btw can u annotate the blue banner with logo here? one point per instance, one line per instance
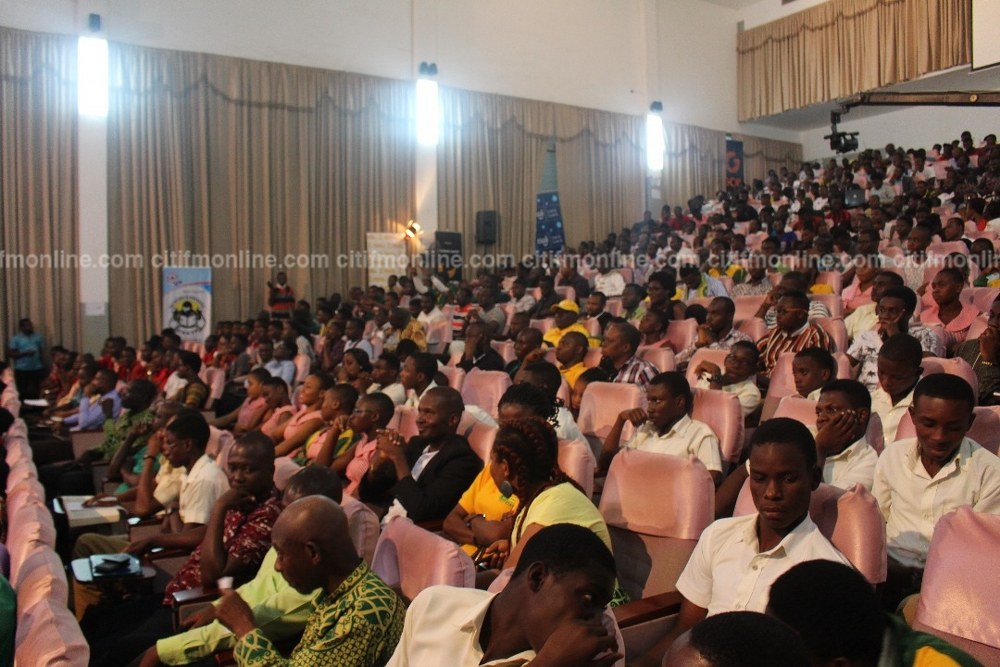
(187, 302)
(734, 163)
(549, 235)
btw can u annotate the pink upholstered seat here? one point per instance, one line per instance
(614, 306)
(661, 357)
(411, 559)
(48, 635)
(456, 376)
(800, 409)
(284, 469)
(958, 597)
(577, 460)
(851, 520)
(837, 329)
(755, 327)
(404, 420)
(480, 436)
(542, 325)
(441, 332)
(363, 525)
(722, 412)
(833, 303)
(302, 367)
(682, 333)
(219, 441)
(566, 292)
(977, 328)
(28, 528)
(746, 306)
(505, 348)
(601, 404)
(653, 540)
(215, 378)
(834, 279)
(955, 366)
(592, 357)
(484, 388)
(40, 577)
(717, 357)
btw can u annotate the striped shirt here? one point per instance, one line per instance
(779, 341)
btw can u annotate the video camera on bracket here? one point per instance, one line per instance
(842, 142)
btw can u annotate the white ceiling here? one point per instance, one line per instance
(818, 115)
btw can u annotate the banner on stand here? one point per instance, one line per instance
(187, 302)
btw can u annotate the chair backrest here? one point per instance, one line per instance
(958, 596)
(484, 388)
(724, 415)
(601, 404)
(682, 333)
(661, 357)
(833, 303)
(505, 348)
(800, 409)
(653, 540)
(219, 440)
(782, 385)
(481, 436)
(717, 357)
(944, 248)
(834, 279)
(542, 325)
(982, 297)
(441, 332)
(986, 427)
(577, 460)
(410, 559)
(47, 634)
(851, 520)
(456, 376)
(363, 525)
(592, 325)
(954, 366)
(302, 368)
(755, 327)
(404, 421)
(592, 357)
(614, 307)
(977, 328)
(41, 577)
(837, 329)
(566, 292)
(747, 306)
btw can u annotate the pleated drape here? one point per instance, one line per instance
(246, 162)
(38, 178)
(845, 47)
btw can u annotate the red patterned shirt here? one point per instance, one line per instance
(779, 341)
(246, 536)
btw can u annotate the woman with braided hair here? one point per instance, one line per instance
(484, 514)
(524, 461)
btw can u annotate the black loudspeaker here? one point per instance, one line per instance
(486, 227)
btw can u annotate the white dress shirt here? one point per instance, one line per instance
(890, 414)
(912, 501)
(728, 572)
(200, 488)
(854, 465)
(687, 437)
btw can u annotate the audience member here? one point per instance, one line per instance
(621, 342)
(541, 616)
(919, 480)
(898, 372)
(738, 378)
(423, 478)
(665, 427)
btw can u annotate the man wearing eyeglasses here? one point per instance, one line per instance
(793, 332)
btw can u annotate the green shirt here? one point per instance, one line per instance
(8, 612)
(279, 611)
(115, 431)
(905, 647)
(357, 625)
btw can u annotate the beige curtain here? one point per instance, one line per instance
(600, 163)
(845, 47)
(762, 155)
(694, 163)
(492, 154)
(38, 173)
(490, 158)
(246, 163)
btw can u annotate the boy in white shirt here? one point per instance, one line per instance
(919, 480)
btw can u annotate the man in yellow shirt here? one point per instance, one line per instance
(565, 313)
(570, 353)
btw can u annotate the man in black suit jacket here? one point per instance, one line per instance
(423, 478)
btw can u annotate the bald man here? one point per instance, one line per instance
(423, 478)
(358, 619)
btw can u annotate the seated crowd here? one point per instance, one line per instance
(784, 348)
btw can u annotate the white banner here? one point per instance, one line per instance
(386, 257)
(187, 302)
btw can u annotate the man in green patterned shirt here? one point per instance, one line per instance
(358, 618)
